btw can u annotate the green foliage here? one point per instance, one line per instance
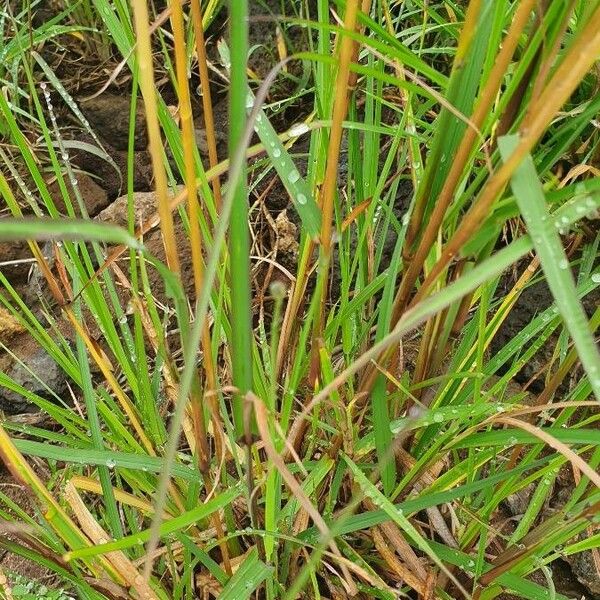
(401, 410)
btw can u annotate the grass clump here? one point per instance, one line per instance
(330, 400)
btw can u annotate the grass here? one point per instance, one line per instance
(355, 431)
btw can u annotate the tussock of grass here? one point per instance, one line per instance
(341, 423)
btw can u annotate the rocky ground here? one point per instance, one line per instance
(275, 227)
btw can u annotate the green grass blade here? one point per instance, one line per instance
(64, 229)
(250, 574)
(239, 236)
(110, 458)
(167, 527)
(553, 258)
(294, 183)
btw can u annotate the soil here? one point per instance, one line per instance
(533, 300)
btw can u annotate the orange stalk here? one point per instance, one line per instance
(188, 139)
(209, 123)
(147, 86)
(327, 199)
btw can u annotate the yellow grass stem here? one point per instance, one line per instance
(188, 141)
(486, 99)
(147, 86)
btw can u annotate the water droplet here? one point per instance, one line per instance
(438, 417)
(563, 264)
(110, 463)
(301, 199)
(276, 152)
(293, 176)
(298, 129)
(596, 277)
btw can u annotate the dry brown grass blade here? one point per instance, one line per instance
(260, 412)
(403, 572)
(51, 509)
(400, 545)
(209, 123)
(426, 478)
(88, 484)
(189, 143)
(128, 573)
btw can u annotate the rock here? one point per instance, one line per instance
(586, 572)
(11, 255)
(519, 502)
(145, 205)
(36, 371)
(287, 234)
(113, 181)
(94, 197)
(109, 116)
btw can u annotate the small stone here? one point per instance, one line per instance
(108, 114)
(37, 372)
(584, 568)
(287, 234)
(94, 197)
